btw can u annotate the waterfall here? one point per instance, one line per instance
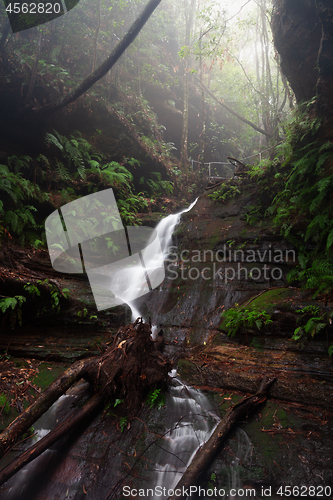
(164, 229)
(192, 416)
(244, 446)
(193, 421)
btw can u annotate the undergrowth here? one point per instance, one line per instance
(300, 182)
(234, 319)
(30, 187)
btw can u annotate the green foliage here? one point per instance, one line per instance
(302, 207)
(123, 422)
(11, 307)
(32, 289)
(75, 151)
(212, 481)
(4, 406)
(52, 290)
(312, 320)
(18, 216)
(83, 313)
(235, 318)
(156, 398)
(158, 186)
(226, 192)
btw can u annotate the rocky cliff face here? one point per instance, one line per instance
(303, 36)
(297, 34)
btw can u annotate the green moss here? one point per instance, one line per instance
(269, 299)
(48, 372)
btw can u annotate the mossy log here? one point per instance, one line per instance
(208, 451)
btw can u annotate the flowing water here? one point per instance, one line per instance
(192, 418)
(27, 483)
(164, 229)
(192, 421)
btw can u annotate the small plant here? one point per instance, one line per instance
(234, 319)
(212, 481)
(311, 326)
(12, 306)
(32, 289)
(225, 193)
(54, 293)
(156, 398)
(83, 313)
(123, 422)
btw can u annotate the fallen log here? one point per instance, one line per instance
(24, 421)
(127, 370)
(66, 426)
(208, 451)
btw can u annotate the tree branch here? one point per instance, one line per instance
(96, 75)
(258, 129)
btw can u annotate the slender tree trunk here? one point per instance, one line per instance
(189, 12)
(5, 32)
(34, 69)
(96, 34)
(203, 110)
(99, 72)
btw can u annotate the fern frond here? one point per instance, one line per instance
(52, 139)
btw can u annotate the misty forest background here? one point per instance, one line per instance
(202, 81)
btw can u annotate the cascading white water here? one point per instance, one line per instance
(244, 447)
(164, 229)
(21, 486)
(193, 421)
(191, 414)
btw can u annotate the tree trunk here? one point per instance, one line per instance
(106, 65)
(34, 69)
(96, 35)
(207, 452)
(189, 11)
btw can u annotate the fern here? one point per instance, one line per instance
(52, 139)
(62, 171)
